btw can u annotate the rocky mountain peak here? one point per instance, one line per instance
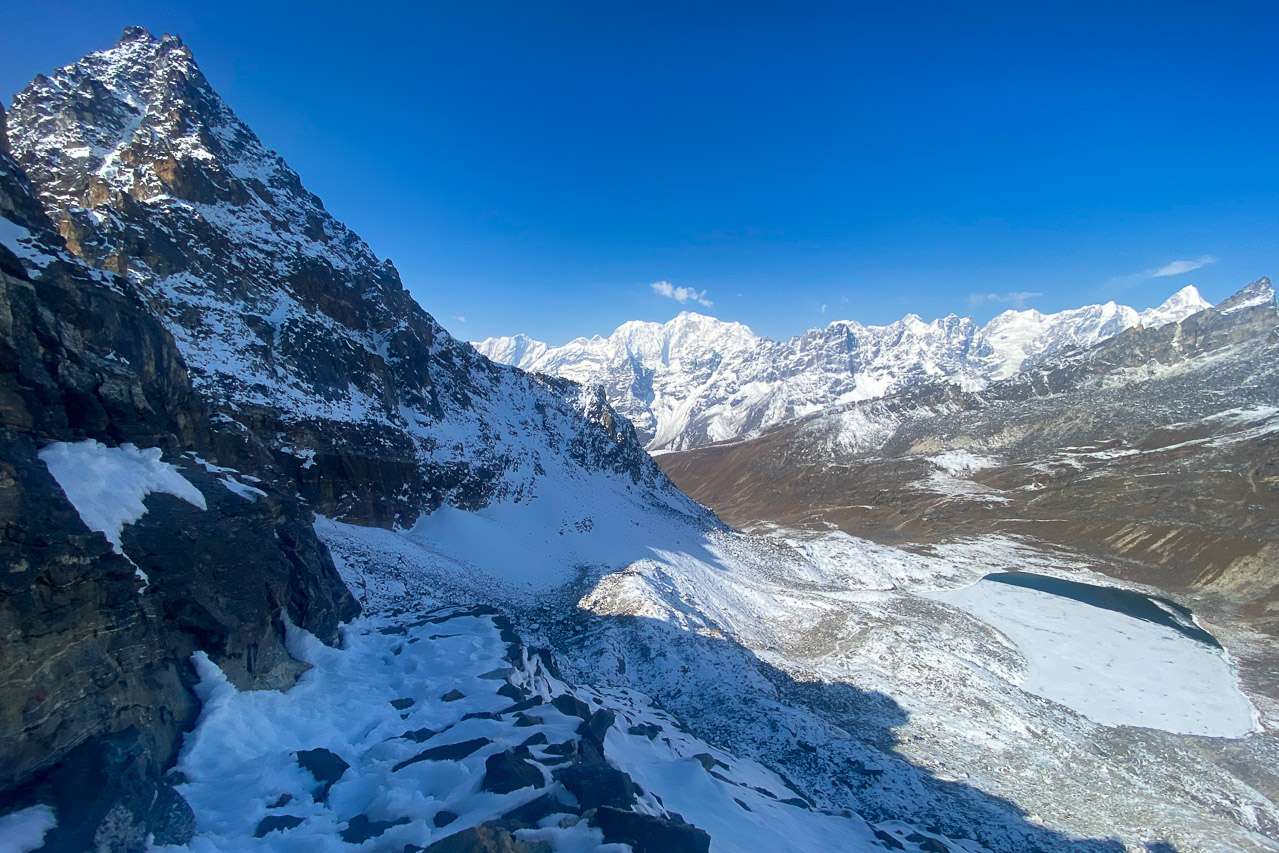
(1259, 292)
(289, 323)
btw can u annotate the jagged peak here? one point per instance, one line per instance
(135, 34)
(140, 36)
(1256, 293)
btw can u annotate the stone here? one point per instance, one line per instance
(446, 752)
(649, 834)
(597, 785)
(482, 715)
(596, 726)
(506, 772)
(453, 695)
(277, 823)
(648, 730)
(570, 705)
(888, 841)
(534, 811)
(486, 838)
(360, 828)
(327, 767)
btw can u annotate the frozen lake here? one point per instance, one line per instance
(1115, 656)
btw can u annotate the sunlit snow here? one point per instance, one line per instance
(107, 485)
(1110, 667)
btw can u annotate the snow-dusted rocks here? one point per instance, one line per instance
(520, 755)
(696, 380)
(107, 485)
(289, 324)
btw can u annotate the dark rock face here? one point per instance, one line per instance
(507, 772)
(597, 785)
(649, 834)
(288, 322)
(96, 668)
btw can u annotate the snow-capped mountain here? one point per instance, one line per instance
(225, 423)
(696, 379)
(289, 324)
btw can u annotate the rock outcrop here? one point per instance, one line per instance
(289, 324)
(95, 674)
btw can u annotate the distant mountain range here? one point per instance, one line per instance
(226, 431)
(696, 380)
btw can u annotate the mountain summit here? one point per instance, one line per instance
(696, 379)
(288, 322)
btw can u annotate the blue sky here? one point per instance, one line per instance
(537, 167)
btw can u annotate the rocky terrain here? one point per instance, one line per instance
(183, 319)
(290, 568)
(697, 380)
(97, 685)
(289, 325)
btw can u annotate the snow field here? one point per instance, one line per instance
(241, 758)
(1112, 668)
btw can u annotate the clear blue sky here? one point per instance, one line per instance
(536, 166)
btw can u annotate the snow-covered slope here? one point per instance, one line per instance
(696, 379)
(858, 673)
(403, 693)
(288, 322)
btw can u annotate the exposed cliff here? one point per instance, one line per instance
(95, 673)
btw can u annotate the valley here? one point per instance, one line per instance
(293, 568)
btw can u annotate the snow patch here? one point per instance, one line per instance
(23, 831)
(108, 485)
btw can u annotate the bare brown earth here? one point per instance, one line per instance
(1156, 454)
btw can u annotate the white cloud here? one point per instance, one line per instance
(823, 307)
(1015, 298)
(680, 294)
(459, 318)
(1179, 267)
(1173, 268)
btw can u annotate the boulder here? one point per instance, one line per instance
(597, 785)
(649, 834)
(446, 752)
(486, 839)
(360, 828)
(327, 767)
(506, 772)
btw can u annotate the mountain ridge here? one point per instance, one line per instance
(289, 324)
(696, 379)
